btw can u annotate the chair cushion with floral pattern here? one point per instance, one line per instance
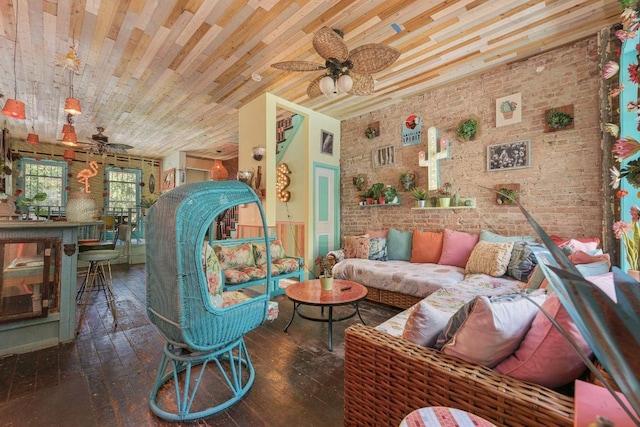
(213, 275)
(235, 277)
(277, 252)
(235, 257)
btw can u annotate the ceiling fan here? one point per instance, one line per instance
(349, 72)
(99, 144)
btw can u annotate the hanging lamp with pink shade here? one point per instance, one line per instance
(14, 108)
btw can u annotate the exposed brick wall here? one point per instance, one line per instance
(562, 188)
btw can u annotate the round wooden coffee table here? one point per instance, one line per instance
(309, 292)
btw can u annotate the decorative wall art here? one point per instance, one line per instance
(509, 155)
(509, 110)
(327, 143)
(373, 130)
(385, 156)
(412, 130)
(437, 149)
(168, 179)
(558, 118)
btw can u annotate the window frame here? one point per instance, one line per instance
(64, 178)
(108, 182)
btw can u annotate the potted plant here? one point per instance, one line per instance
(420, 195)
(378, 191)
(507, 196)
(24, 203)
(368, 196)
(467, 129)
(407, 180)
(507, 108)
(390, 194)
(359, 182)
(325, 274)
(556, 119)
(371, 132)
(444, 195)
(146, 203)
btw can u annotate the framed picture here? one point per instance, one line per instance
(509, 155)
(509, 110)
(168, 179)
(327, 143)
(385, 156)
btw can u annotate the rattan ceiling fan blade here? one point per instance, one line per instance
(313, 90)
(329, 44)
(373, 57)
(362, 84)
(298, 66)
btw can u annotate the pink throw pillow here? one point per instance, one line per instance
(581, 257)
(545, 357)
(456, 247)
(377, 233)
(357, 247)
(426, 246)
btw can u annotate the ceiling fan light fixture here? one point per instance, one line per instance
(14, 108)
(327, 85)
(345, 83)
(72, 106)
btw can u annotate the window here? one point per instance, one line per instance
(44, 176)
(123, 188)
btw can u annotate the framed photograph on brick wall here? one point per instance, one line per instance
(509, 155)
(385, 156)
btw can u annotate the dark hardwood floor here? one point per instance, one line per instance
(104, 377)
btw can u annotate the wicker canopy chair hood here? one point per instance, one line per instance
(178, 301)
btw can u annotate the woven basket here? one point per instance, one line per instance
(595, 380)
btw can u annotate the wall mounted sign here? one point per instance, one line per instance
(412, 130)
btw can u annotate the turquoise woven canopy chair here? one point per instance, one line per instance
(186, 304)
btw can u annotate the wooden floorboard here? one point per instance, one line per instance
(299, 382)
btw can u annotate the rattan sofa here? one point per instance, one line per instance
(387, 377)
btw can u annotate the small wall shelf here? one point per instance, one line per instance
(380, 205)
(463, 199)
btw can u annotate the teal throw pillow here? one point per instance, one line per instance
(488, 236)
(399, 245)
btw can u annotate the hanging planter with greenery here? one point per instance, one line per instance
(467, 129)
(557, 119)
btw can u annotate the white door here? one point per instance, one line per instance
(326, 208)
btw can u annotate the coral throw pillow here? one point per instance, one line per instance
(427, 246)
(456, 247)
(356, 247)
(489, 258)
(545, 357)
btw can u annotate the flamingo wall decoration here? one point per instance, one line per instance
(85, 174)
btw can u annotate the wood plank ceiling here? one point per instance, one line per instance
(166, 75)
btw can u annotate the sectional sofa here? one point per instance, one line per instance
(391, 369)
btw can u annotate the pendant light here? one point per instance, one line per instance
(69, 133)
(218, 171)
(72, 105)
(13, 107)
(33, 137)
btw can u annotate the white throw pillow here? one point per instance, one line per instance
(424, 324)
(487, 330)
